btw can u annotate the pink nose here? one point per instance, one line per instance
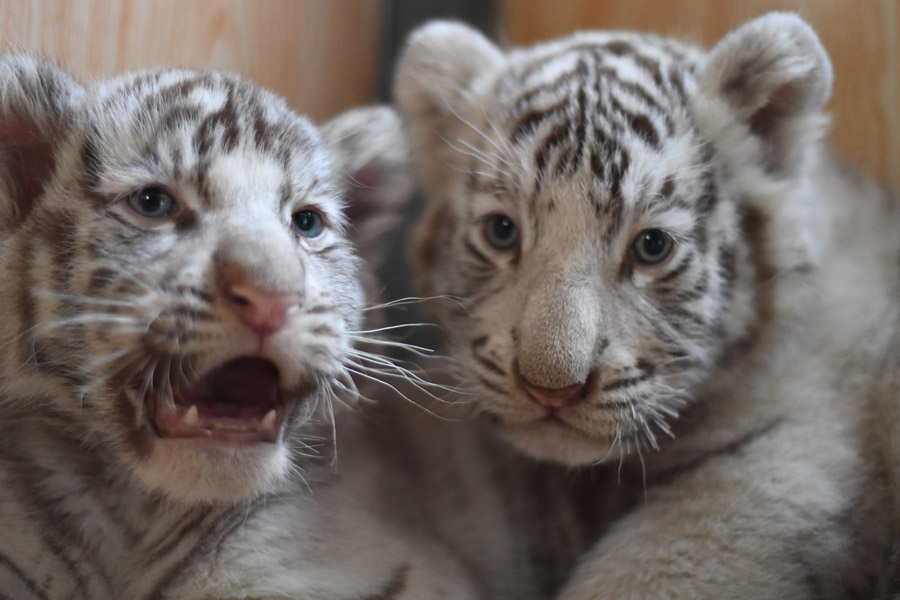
(263, 311)
(555, 397)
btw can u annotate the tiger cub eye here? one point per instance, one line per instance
(501, 232)
(152, 202)
(307, 223)
(652, 246)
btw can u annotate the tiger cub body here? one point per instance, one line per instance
(662, 269)
(181, 299)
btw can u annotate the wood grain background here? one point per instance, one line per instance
(321, 55)
(862, 37)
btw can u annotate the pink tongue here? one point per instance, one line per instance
(241, 389)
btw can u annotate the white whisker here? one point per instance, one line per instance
(643, 469)
(75, 299)
(416, 300)
(99, 362)
(85, 319)
(399, 393)
(416, 382)
(419, 383)
(330, 405)
(391, 328)
(411, 348)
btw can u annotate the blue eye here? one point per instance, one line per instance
(152, 202)
(501, 232)
(307, 223)
(652, 246)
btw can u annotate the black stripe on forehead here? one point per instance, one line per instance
(601, 52)
(265, 133)
(532, 120)
(581, 99)
(569, 128)
(638, 122)
(222, 125)
(695, 193)
(177, 92)
(247, 111)
(555, 140)
(176, 116)
(586, 110)
(90, 161)
(207, 111)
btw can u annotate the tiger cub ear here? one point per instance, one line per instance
(37, 104)
(370, 152)
(769, 78)
(432, 87)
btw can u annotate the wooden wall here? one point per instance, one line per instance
(321, 55)
(862, 37)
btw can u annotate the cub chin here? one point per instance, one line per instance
(659, 266)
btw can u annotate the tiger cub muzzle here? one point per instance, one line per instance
(242, 400)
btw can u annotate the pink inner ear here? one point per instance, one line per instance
(361, 192)
(785, 100)
(29, 161)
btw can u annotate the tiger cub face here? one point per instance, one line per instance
(598, 203)
(179, 286)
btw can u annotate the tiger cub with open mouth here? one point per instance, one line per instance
(181, 297)
(661, 268)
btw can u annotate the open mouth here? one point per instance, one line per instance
(237, 403)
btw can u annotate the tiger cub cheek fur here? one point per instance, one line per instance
(583, 346)
(180, 284)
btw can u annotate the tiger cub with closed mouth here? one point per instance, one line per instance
(180, 299)
(662, 268)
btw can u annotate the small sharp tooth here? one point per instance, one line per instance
(268, 421)
(192, 416)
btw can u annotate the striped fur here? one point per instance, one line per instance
(732, 379)
(117, 315)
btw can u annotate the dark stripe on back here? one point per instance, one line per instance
(27, 583)
(166, 546)
(213, 537)
(56, 531)
(754, 224)
(394, 587)
(730, 449)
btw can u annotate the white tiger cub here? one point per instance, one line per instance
(663, 270)
(180, 297)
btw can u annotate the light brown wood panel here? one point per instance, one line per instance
(320, 55)
(862, 37)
